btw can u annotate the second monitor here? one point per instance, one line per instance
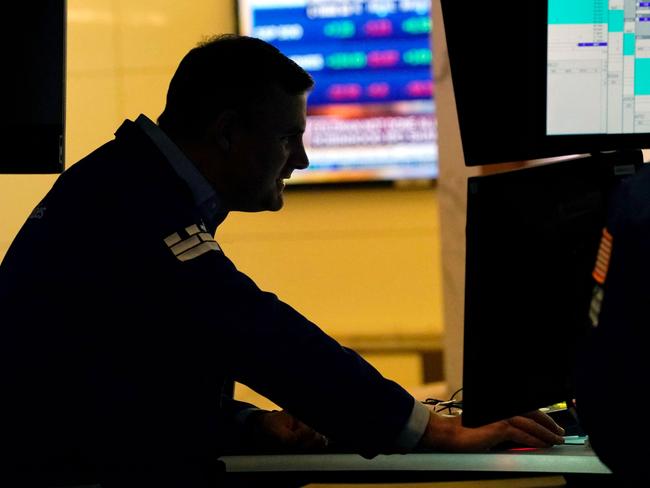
(532, 240)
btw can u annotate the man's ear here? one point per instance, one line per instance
(220, 132)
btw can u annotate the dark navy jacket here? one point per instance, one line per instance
(122, 319)
(612, 387)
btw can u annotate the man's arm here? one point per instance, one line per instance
(262, 342)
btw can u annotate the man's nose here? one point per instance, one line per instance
(300, 159)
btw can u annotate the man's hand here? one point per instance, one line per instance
(534, 429)
(281, 429)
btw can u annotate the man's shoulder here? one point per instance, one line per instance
(122, 170)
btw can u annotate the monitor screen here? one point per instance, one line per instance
(598, 67)
(550, 78)
(371, 115)
(32, 87)
(532, 241)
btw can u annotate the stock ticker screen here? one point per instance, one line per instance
(371, 115)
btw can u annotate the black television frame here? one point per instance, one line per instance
(33, 87)
(498, 60)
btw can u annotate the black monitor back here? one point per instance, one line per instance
(32, 87)
(532, 239)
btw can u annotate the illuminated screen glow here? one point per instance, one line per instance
(598, 67)
(371, 115)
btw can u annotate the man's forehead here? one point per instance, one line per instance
(283, 109)
(277, 97)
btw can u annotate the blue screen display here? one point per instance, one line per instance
(371, 115)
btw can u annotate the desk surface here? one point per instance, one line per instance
(564, 459)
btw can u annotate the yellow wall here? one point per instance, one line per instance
(356, 262)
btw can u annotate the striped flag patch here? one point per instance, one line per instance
(191, 242)
(602, 260)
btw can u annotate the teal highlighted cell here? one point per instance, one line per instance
(417, 25)
(642, 76)
(417, 57)
(351, 60)
(342, 29)
(629, 44)
(578, 12)
(616, 20)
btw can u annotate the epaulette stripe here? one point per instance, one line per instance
(185, 245)
(172, 239)
(192, 229)
(198, 250)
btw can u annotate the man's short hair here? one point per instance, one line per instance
(226, 72)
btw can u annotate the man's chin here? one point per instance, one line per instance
(277, 204)
(266, 207)
(273, 203)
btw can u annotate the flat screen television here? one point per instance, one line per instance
(371, 115)
(32, 87)
(549, 78)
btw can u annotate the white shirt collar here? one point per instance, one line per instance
(204, 194)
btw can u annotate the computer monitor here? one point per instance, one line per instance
(371, 115)
(549, 78)
(532, 240)
(32, 87)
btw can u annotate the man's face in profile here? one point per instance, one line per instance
(266, 148)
